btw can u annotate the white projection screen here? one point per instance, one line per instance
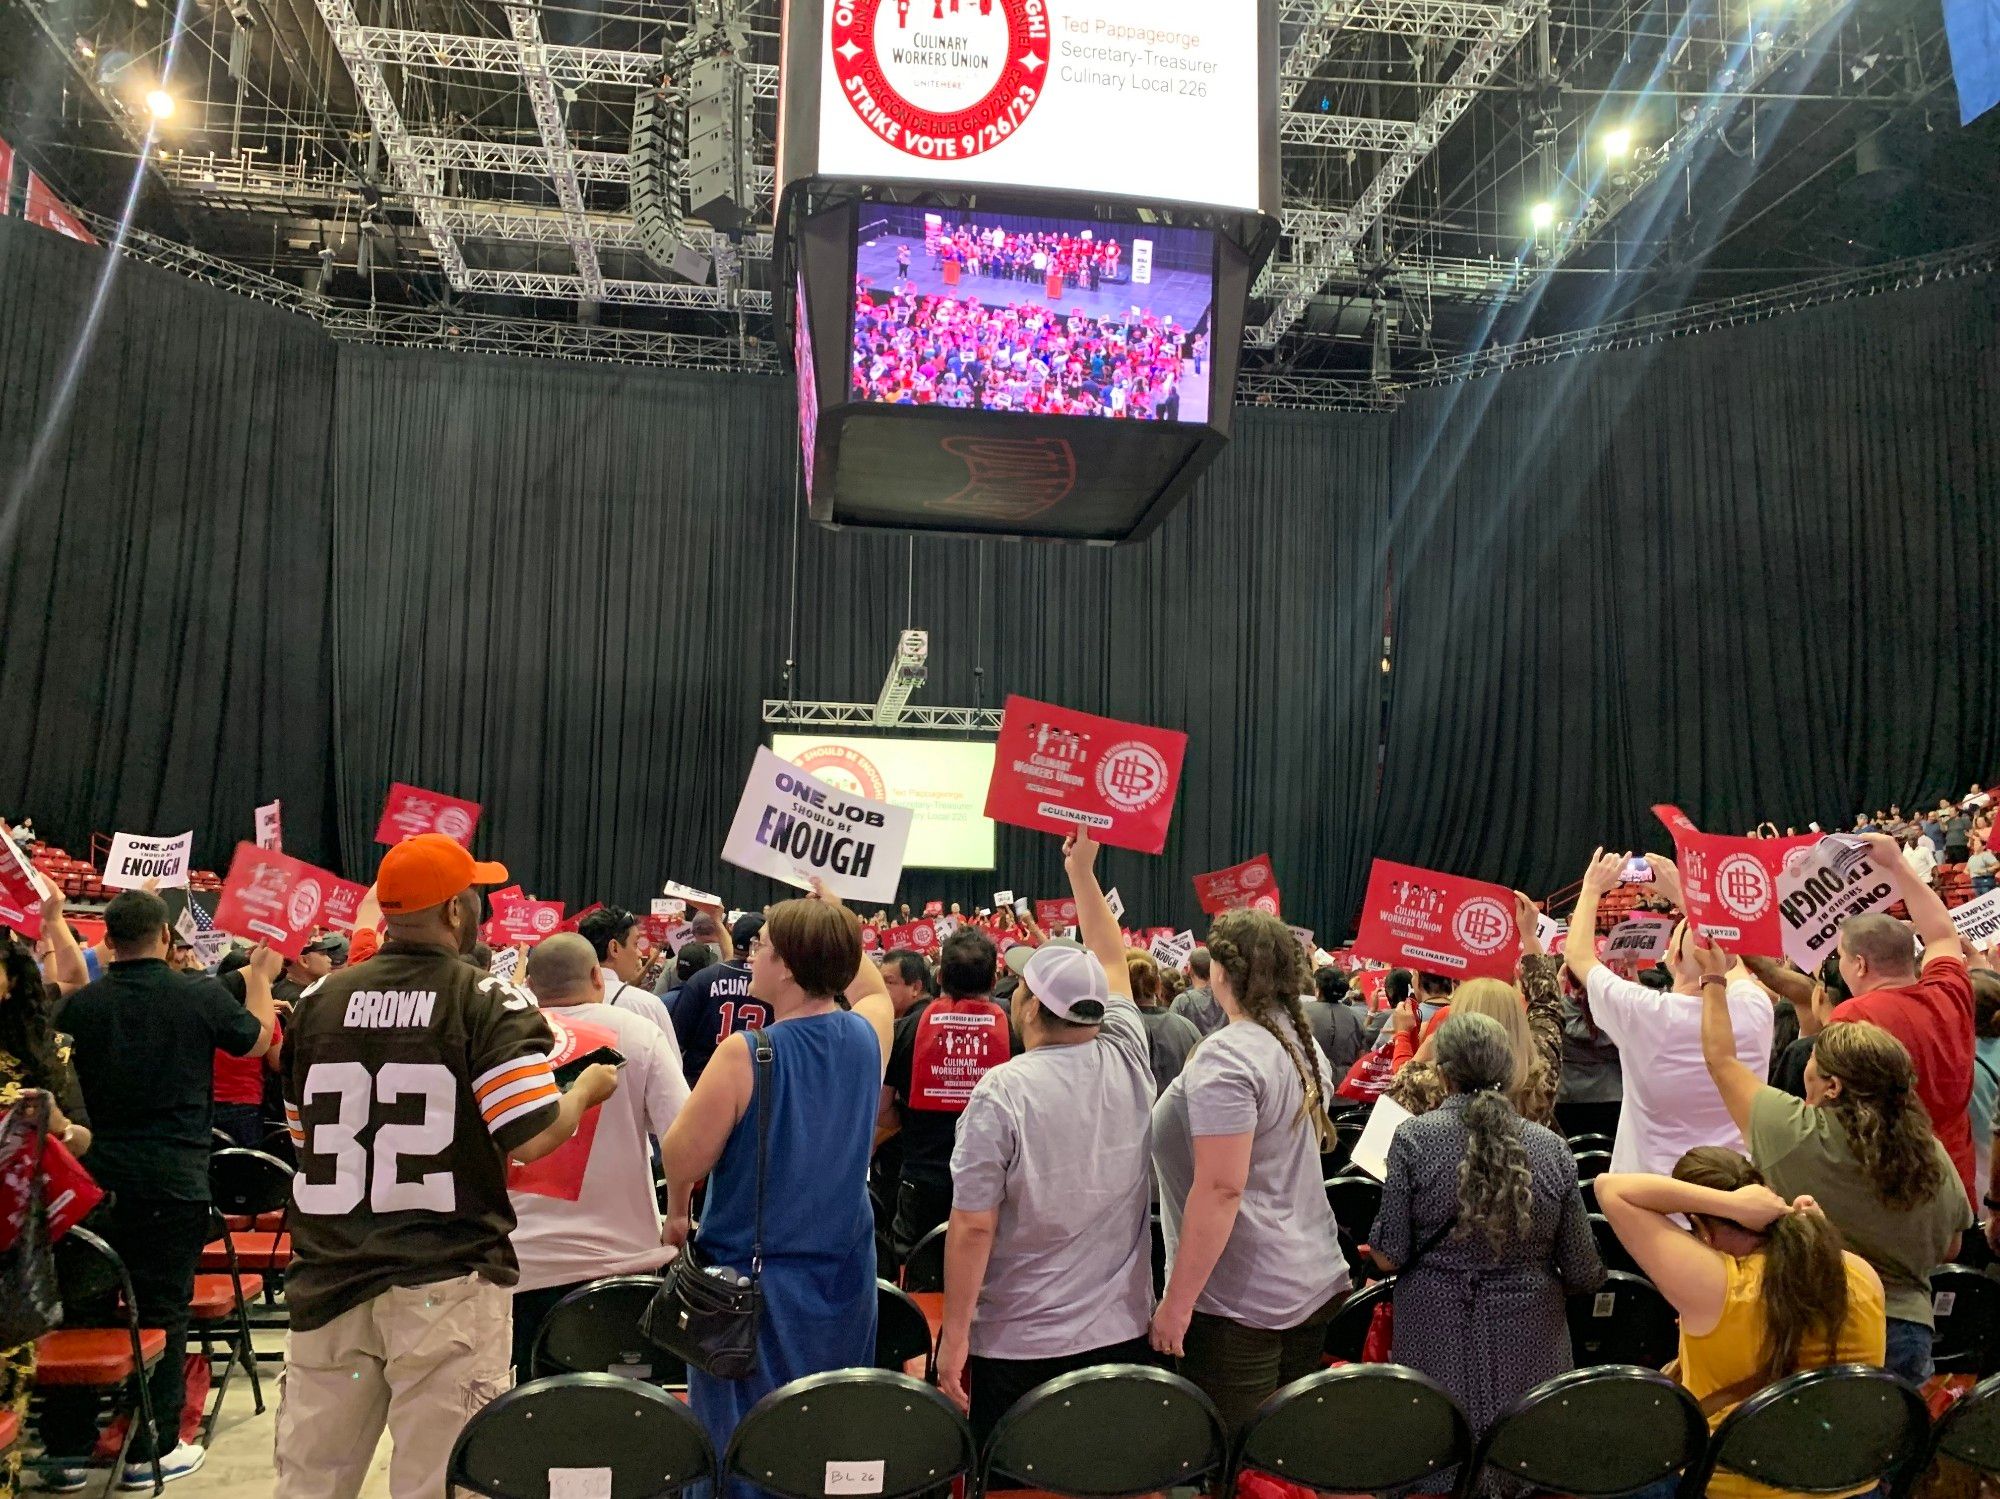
(943, 781)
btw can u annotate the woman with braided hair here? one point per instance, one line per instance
(1860, 1144)
(1254, 1265)
(1484, 1226)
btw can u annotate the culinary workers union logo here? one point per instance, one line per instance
(1131, 776)
(303, 904)
(1482, 924)
(454, 824)
(846, 770)
(544, 919)
(941, 80)
(1744, 885)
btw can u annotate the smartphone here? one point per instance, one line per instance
(1636, 871)
(574, 1068)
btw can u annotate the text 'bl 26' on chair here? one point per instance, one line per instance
(1108, 1433)
(1594, 1433)
(858, 1431)
(1824, 1431)
(638, 1442)
(1359, 1429)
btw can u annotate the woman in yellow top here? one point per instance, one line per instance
(1763, 1287)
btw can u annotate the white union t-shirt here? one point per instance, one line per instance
(589, 1209)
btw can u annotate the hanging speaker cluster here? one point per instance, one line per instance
(658, 151)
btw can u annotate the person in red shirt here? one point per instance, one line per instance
(1929, 1009)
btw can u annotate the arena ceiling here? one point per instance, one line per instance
(430, 163)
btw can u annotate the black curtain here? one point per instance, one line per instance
(1751, 572)
(1754, 572)
(165, 535)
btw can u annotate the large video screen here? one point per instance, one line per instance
(1137, 98)
(943, 781)
(997, 311)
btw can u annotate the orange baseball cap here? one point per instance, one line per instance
(429, 870)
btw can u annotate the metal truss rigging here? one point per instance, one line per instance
(526, 24)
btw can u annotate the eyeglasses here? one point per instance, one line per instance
(759, 945)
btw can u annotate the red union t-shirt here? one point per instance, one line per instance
(1933, 1020)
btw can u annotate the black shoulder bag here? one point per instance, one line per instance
(706, 1315)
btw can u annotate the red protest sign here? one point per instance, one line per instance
(343, 905)
(1731, 884)
(411, 810)
(270, 897)
(1419, 918)
(20, 896)
(522, 923)
(573, 923)
(1050, 914)
(871, 939)
(1253, 884)
(1058, 769)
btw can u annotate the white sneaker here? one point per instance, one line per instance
(64, 1480)
(182, 1461)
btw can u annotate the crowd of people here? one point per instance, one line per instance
(1081, 260)
(474, 1139)
(924, 349)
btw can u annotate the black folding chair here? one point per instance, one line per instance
(924, 1269)
(1592, 1163)
(595, 1330)
(1556, 1436)
(1590, 1142)
(648, 1443)
(219, 1314)
(1347, 1333)
(1824, 1431)
(1610, 1248)
(1355, 1200)
(902, 1331)
(1624, 1321)
(1360, 1429)
(1968, 1433)
(252, 1190)
(883, 1433)
(1060, 1435)
(1965, 1308)
(1578, 1119)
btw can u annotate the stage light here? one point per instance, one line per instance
(1542, 214)
(1617, 142)
(160, 104)
(85, 50)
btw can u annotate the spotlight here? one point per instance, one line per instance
(1542, 214)
(160, 104)
(1617, 142)
(85, 50)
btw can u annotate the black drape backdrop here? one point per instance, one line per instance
(1754, 572)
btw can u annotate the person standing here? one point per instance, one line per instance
(1048, 1256)
(817, 1230)
(410, 1080)
(1169, 1037)
(1198, 1003)
(144, 1040)
(612, 935)
(717, 1002)
(589, 1208)
(1335, 1024)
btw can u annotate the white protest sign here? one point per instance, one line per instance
(270, 826)
(1639, 939)
(1172, 952)
(1820, 887)
(1550, 931)
(506, 963)
(1305, 936)
(662, 906)
(1116, 902)
(1978, 921)
(690, 895)
(793, 827)
(944, 926)
(1002, 898)
(135, 859)
(679, 935)
(209, 945)
(1371, 1151)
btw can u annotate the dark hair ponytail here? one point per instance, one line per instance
(1495, 1181)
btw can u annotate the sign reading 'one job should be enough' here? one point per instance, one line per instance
(795, 827)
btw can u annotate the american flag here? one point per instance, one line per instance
(198, 927)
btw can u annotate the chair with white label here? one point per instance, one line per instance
(1624, 1321)
(581, 1436)
(1965, 1308)
(595, 1330)
(854, 1431)
(1119, 1429)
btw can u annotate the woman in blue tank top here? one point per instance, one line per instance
(819, 1230)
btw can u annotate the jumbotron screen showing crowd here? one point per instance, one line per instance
(1015, 312)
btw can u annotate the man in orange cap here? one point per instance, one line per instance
(410, 1080)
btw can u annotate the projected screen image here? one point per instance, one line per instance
(1017, 312)
(942, 780)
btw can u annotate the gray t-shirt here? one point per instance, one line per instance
(1201, 1006)
(1056, 1140)
(1283, 1260)
(1172, 1037)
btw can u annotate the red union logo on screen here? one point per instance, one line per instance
(847, 769)
(941, 80)
(1010, 478)
(1483, 925)
(1132, 776)
(1744, 886)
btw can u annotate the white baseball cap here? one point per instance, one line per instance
(1065, 977)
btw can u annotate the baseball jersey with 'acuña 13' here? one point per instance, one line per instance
(408, 1078)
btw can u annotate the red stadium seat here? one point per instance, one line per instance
(256, 1251)
(244, 1222)
(73, 1356)
(10, 1428)
(215, 1298)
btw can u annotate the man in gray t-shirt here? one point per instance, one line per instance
(1199, 1002)
(1048, 1239)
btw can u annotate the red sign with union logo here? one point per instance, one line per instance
(411, 810)
(1251, 885)
(1731, 884)
(1057, 769)
(1419, 918)
(1050, 914)
(523, 923)
(272, 898)
(941, 88)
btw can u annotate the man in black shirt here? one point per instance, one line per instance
(717, 1001)
(144, 1042)
(942, 1048)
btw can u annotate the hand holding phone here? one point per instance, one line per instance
(575, 1067)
